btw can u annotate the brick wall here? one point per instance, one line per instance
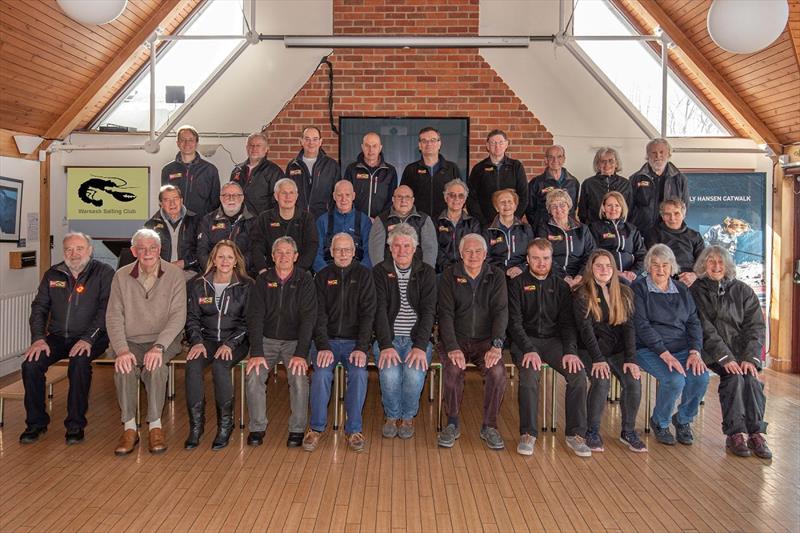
(411, 82)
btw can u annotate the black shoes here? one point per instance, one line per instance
(224, 425)
(73, 436)
(31, 434)
(295, 440)
(255, 438)
(663, 435)
(683, 432)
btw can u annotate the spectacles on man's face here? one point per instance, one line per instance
(235, 196)
(496, 143)
(429, 141)
(145, 249)
(456, 195)
(403, 197)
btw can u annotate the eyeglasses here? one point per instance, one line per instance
(311, 139)
(347, 250)
(559, 205)
(231, 196)
(403, 197)
(456, 195)
(496, 143)
(143, 249)
(429, 141)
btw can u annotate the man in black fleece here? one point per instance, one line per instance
(684, 242)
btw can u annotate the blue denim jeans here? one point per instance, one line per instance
(321, 381)
(671, 385)
(401, 385)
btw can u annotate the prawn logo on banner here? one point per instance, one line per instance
(105, 193)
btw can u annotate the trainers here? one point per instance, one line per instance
(492, 438)
(594, 441)
(663, 435)
(406, 429)
(683, 432)
(758, 444)
(737, 445)
(448, 436)
(355, 441)
(631, 438)
(390, 428)
(526, 444)
(578, 445)
(311, 440)
(31, 434)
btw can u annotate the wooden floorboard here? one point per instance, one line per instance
(396, 485)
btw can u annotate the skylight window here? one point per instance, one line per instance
(636, 70)
(185, 64)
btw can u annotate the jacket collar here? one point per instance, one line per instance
(360, 162)
(208, 277)
(135, 270)
(669, 171)
(412, 213)
(496, 222)
(244, 214)
(573, 224)
(197, 159)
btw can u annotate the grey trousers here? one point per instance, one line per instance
(274, 351)
(155, 382)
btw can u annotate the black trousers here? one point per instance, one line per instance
(220, 371)
(551, 351)
(742, 401)
(598, 392)
(79, 372)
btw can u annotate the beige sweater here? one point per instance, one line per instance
(147, 317)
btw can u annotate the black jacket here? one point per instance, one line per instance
(592, 191)
(314, 185)
(508, 248)
(187, 238)
(684, 242)
(649, 190)
(282, 310)
(429, 190)
(571, 248)
(540, 309)
(69, 307)
(258, 185)
(449, 236)
(345, 305)
(207, 321)
(624, 242)
(198, 181)
(421, 294)
(374, 187)
(269, 226)
(486, 178)
(732, 320)
(472, 309)
(216, 226)
(600, 338)
(537, 195)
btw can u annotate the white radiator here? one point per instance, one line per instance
(15, 334)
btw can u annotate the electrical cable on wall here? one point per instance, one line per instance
(325, 61)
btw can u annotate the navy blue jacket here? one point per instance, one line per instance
(666, 322)
(355, 223)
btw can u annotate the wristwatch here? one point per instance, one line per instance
(497, 343)
(159, 347)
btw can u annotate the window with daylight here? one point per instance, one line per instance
(180, 68)
(636, 71)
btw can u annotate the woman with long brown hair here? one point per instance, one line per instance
(216, 330)
(603, 309)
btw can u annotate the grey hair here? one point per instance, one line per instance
(71, 234)
(342, 235)
(663, 252)
(144, 234)
(285, 181)
(554, 195)
(658, 140)
(556, 147)
(453, 182)
(722, 253)
(403, 230)
(258, 135)
(677, 202)
(284, 240)
(601, 152)
(232, 184)
(474, 237)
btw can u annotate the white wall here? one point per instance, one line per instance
(24, 280)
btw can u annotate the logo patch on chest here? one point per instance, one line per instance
(492, 242)
(295, 172)
(422, 171)
(176, 175)
(444, 229)
(58, 284)
(529, 288)
(272, 284)
(460, 280)
(218, 225)
(362, 176)
(643, 184)
(608, 235)
(203, 300)
(555, 237)
(332, 282)
(274, 224)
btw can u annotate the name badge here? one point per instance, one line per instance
(205, 300)
(444, 229)
(462, 281)
(176, 175)
(274, 224)
(58, 284)
(362, 176)
(643, 184)
(422, 171)
(488, 169)
(295, 172)
(218, 225)
(492, 242)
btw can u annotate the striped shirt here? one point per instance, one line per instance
(406, 316)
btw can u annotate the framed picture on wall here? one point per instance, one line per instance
(10, 209)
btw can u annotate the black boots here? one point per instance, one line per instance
(224, 425)
(197, 415)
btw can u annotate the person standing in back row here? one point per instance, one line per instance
(314, 173)
(428, 176)
(374, 180)
(197, 178)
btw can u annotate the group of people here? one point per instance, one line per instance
(311, 269)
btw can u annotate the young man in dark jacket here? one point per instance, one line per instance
(496, 172)
(342, 335)
(685, 243)
(257, 176)
(473, 316)
(428, 176)
(197, 178)
(280, 327)
(177, 227)
(555, 176)
(314, 173)
(406, 307)
(68, 320)
(373, 179)
(232, 221)
(542, 329)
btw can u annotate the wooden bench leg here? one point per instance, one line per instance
(647, 386)
(335, 398)
(50, 391)
(139, 404)
(2, 410)
(553, 399)
(543, 375)
(242, 376)
(431, 372)
(441, 395)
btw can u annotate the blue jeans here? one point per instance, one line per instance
(402, 385)
(321, 381)
(671, 385)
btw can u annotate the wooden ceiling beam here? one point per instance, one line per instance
(708, 74)
(123, 59)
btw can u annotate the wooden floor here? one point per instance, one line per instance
(397, 485)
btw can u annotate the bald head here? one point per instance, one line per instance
(343, 196)
(371, 149)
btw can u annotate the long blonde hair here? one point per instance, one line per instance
(620, 297)
(239, 268)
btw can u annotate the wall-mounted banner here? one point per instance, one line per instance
(107, 193)
(729, 209)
